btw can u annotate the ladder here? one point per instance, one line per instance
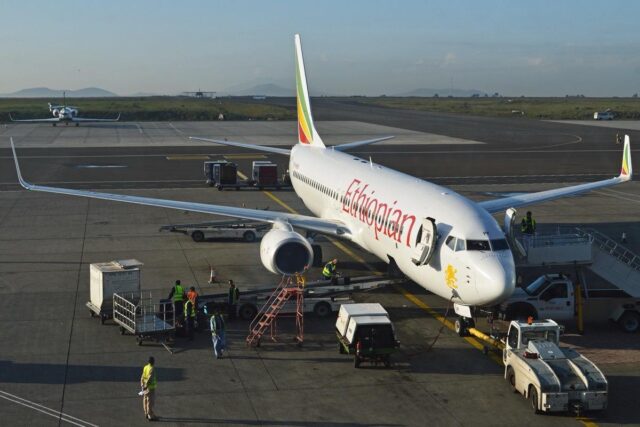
(266, 318)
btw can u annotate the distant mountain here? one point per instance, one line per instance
(45, 92)
(442, 92)
(265, 89)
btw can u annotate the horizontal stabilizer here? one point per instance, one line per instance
(245, 145)
(350, 145)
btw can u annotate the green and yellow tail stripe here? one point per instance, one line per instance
(306, 130)
(626, 170)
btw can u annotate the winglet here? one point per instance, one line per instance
(306, 130)
(24, 183)
(626, 171)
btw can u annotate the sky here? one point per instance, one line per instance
(531, 48)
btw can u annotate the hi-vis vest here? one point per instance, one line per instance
(328, 269)
(528, 225)
(149, 376)
(188, 304)
(178, 293)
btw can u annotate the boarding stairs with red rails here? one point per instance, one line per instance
(289, 287)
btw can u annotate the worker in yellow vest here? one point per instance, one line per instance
(329, 270)
(177, 295)
(148, 382)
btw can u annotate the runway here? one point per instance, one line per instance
(55, 355)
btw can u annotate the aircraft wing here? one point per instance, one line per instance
(49, 120)
(319, 225)
(245, 145)
(349, 145)
(87, 120)
(626, 173)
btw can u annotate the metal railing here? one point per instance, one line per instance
(613, 248)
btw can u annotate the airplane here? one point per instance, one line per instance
(448, 244)
(64, 114)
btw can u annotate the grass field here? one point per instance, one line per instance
(149, 108)
(181, 108)
(539, 108)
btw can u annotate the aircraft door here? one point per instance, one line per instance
(509, 222)
(426, 242)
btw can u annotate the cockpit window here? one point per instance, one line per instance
(499, 245)
(451, 242)
(459, 245)
(478, 245)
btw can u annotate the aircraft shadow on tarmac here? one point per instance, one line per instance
(269, 423)
(53, 373)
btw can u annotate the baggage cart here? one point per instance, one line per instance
(138, 314)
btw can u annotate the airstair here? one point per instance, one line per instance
(614, 262)
(266, 319)
(599, 253)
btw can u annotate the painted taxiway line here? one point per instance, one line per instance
(45, 410)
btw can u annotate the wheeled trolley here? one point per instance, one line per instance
(138, 314)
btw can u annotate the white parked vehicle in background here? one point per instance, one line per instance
(603, 115)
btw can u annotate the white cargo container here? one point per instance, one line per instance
(348, 311)
(107, 278)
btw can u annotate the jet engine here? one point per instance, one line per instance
(56, 112)
(283, 251)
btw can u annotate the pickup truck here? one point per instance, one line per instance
(553, 296)
(553, 378)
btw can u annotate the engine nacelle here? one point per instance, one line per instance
(283, 251)
(55, 112)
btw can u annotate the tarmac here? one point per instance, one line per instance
(59, 366)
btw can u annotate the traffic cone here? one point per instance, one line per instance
(623, 238)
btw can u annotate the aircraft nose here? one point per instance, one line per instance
(496, 279)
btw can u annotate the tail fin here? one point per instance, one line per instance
(626, 171)
(306, 130)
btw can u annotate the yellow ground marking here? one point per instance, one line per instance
(188, 157)
(244, 156)
(409, 296)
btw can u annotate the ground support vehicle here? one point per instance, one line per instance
(554, 296)
(366, 331)
(107, 278)
(220, 172)
(199, 232)
(140, 315)
(321, 297)
(554, 379)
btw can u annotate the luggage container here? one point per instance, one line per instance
(220, 172)
(108, 278)
(264, 173)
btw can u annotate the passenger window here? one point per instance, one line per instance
(459, 245)
(451, 242)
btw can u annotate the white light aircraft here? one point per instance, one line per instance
(446, 243)
(64, 114)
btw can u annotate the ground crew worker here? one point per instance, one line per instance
(329, 270)
(190, 318)
(192, 295)
(528, 225)
(618, 138)
(232, 299)
(148, 382)
(217, 334)
(177, 294)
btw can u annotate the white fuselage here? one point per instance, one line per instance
(384, 209)
(64, 113)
